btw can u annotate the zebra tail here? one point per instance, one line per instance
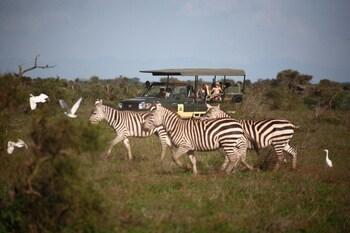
(296, 126)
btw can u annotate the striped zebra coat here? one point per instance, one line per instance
(197, 135)
(126, 124)
(263, 133)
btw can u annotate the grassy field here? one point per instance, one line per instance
(82, 193)
(147, 195)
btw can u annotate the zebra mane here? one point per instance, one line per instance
(218, 107)
(225, 112)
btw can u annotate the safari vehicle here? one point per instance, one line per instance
(183, 96)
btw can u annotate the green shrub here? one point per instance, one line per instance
(342, 101)
(68, 202)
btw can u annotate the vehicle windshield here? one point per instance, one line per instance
(154, 91)
(161, 91)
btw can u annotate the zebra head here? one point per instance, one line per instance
(213, 112)
(153, 119)
(97, 114)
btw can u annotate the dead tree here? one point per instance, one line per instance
(21, 70)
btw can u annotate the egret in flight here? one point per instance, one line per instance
(33, 100)
(70, 112)
(11, 145)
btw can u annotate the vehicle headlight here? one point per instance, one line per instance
(144, 105)
(120, 105)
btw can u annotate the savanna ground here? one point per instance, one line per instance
(60, 184)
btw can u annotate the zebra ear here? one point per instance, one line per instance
(218, 106)
(158, 105)
(98, 102)
(208, 106)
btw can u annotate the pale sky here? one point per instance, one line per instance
(112, 38)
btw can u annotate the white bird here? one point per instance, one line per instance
(328, 161)
(11, 145)
(33, 100)
(70, 112)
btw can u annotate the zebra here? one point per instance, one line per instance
(200, 135)
(263, 133)
(126, 124)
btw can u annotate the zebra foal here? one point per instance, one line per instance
(197, 135)
(263, 133)
(126, 124)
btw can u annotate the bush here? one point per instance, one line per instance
(68, 202)
(342, 101)
(54, 193)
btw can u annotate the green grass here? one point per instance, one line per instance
(146, 197)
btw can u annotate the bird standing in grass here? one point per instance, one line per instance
(11, 145)
(33, 100)
(70, 112)
(328, 161)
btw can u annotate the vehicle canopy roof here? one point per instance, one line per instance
(197, 72)
(170, 83)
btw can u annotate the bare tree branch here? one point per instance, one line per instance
(21, 71)
(35, 170)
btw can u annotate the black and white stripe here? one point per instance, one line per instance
(197, 135)
(126, 124)
(263, 133)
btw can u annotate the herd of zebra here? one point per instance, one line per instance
(215, 130)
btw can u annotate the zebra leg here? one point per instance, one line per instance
(115, 141)
(233, 157)
(164, 143)
(127, 145)
(247, 165)
(177, 154)
(164, 140)
(224, 165)
(244, 162)
(242, 150)
(194, 162)
(293, 152)
(233, 163)
(162, 155)
(279, 159)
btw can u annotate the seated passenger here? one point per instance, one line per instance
(216, 92)
(204, 92)
(162, 92)
(168, 91)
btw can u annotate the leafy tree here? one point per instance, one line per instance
(293, 79)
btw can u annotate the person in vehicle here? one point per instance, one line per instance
(216, 92)
(204, 92)
(168, 91)
(162, 92)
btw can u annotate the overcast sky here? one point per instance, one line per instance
(112, 38)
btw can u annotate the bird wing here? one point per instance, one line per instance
(10, 147)
(76, 105)
(63, 104)
(43, 96)
(21, 143)
(32, 103)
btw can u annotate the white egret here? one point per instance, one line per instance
(328, 161)
(33, 100)
(11, 145)
(70, 112)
